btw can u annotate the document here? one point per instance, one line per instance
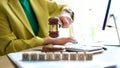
(93, 48)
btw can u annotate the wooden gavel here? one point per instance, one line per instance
(53, 27)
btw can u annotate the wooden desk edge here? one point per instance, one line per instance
(5, 62)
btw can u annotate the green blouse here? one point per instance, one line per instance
(30, 15)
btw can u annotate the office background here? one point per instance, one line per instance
(89, 18)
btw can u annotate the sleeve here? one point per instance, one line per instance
(8, 40)
(54, 8)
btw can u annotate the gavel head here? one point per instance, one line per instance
(53, 27)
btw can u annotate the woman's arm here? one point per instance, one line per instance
(9, 41)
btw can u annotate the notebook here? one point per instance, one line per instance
(77, 47)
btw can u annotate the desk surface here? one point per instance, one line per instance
(110, 55)
(6, 63)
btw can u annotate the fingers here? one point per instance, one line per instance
(62, 41)
(72, 40)
(66, 21)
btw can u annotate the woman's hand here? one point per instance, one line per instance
(65, 19)
(59, 41)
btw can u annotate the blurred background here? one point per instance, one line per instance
(89, 19)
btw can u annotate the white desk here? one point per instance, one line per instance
(109, 57)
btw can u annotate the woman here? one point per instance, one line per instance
(24, 24)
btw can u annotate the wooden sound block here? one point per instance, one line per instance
(52, 49)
